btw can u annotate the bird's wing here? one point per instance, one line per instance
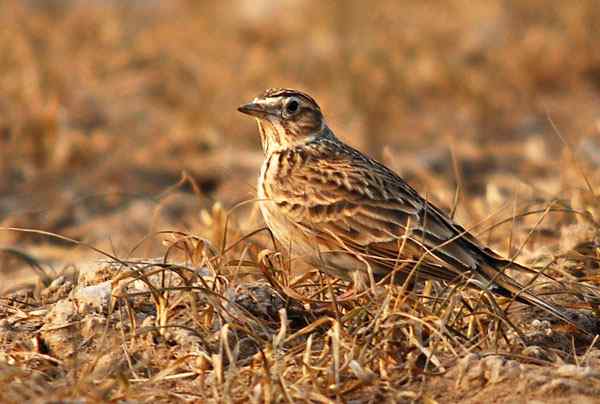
(346, 198)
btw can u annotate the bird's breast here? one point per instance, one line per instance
(285, 230)
(268, 208)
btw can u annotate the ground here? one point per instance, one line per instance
(131, 262)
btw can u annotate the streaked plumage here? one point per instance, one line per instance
(353, 217)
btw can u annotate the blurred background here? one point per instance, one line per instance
(118, 118)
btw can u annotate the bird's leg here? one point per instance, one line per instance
(360, 286)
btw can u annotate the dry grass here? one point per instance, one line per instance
(118, 129)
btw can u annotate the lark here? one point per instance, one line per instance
(354, 218)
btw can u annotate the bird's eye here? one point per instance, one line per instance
(292, 107)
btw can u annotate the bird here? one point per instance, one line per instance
(352, 217)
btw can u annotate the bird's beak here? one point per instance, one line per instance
(258, 108)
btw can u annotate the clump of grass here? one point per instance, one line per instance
(235, 322)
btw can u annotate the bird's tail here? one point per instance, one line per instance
(504, 285)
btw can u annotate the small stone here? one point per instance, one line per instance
(93, 298)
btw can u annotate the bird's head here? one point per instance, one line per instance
(286, 118)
